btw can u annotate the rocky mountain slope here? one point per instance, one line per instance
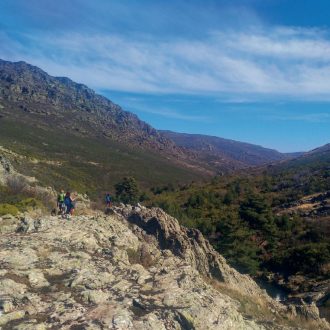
(68, 123)
(134, 269)
(80, 131)
(33, 91)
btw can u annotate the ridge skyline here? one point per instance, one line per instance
(105, 95)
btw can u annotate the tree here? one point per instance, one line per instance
(127, 191)
(257, 212)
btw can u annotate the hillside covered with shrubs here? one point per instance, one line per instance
(247, 220)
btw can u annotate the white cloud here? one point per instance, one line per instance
(277, 62)
(307, 117)
(170, 113)
(282, 43)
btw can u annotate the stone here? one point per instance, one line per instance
(6, 306)
(5, 318)
(95, 296)
(37, 279)
(122, 321)
(28, 224)
(8, 288)
(8, 224)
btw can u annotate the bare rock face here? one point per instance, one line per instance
(190, 245)
(134, 269)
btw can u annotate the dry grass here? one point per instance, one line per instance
(141, 256)
(43, 252)
(250, 306)
(258, 309)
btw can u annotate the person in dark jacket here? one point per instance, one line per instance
(69, 203)
(108, 200)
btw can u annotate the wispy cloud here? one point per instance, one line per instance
(260, 62)
(282, 43)
(170, 113)
(308, 118)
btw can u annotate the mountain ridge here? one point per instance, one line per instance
(235, 154)
(28, 93)
(32, 84)
(46, 117)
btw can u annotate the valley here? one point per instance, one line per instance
(266, 212)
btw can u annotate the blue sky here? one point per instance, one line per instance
(249, 70)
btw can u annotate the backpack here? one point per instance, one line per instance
(67, 201)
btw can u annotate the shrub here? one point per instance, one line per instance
(307, 258)
(127, 191)
(144, 197)
(16, 184)
(46, 196)
(8, 209)
(141, 256)
(29, 203)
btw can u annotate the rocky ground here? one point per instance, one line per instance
(135, 268)
(311, 207)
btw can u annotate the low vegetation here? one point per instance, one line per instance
(17, 197)
(64, 159)
(127, 191)
(240, 216)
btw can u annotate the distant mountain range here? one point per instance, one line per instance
(54, 117)
(219, 151)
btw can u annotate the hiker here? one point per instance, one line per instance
(108, 200)
(60, 202)
(69, 203)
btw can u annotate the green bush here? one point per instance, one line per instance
(127, 191)
(8, 209)
(307, 258)
(19, 202)
(29, 203)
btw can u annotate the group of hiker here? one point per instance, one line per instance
(66, 202)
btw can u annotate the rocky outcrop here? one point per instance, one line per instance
(31, 91)
(188, 244)
(310, 207)
(133, 269)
